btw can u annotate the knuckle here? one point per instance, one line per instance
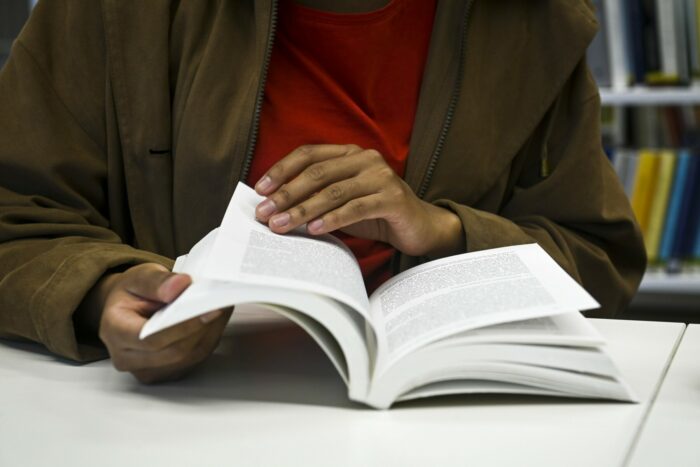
(276, 171)
(283, 194)
(373, 155)
(352, 148)
(305, 149)
(331, 219)
(385, 173)
(305, 154)
(335, 192)
(300, 211)
(316, 172)
(358, 207)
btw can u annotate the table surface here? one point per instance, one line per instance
(271, 397)
(671, 434)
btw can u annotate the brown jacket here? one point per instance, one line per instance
(125, 125)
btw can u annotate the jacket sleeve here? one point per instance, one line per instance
(55, 235)
(564, 194)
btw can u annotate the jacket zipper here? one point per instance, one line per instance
(261, 92)
(447, 122)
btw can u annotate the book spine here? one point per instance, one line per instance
(669, 72)
(616, 43)
(598, 58)
(644, 187)
(691, 38)
(650, 39)
(634, 24)
(674, 207)
(659, 204)
(691, 213)
(630, 174)
(682, 48)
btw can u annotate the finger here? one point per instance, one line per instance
(154, 282)
(291, 165)
(173, 334)
(173, 362)
(356, 210)
(312, 179)
(179, 354)
(325, 201)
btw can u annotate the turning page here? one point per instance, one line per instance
(468, 291)
(246, 251)
(242, 261)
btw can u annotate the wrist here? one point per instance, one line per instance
(88, 315)
(448, 236)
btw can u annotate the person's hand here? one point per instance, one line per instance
(347, 188)
(126, 301)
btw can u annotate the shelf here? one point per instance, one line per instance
(638, 96)
(664, 283)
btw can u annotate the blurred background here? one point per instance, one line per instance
(646, 60)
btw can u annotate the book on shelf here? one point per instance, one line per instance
(659, 202)
(673, 216)
(598, 58)
(649, 42)
(644, 187)
(664, 190)
(685, 234)
(504, 320)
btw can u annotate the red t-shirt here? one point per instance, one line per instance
(346, 79)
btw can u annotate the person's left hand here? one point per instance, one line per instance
(347, 188)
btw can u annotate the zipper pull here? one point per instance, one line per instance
(544, 163)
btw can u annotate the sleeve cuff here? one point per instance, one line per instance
(54, 302)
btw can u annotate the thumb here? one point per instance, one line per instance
(154, 282)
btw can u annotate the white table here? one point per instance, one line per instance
(671, 434)
(272, 398)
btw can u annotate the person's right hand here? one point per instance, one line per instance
(127, 300)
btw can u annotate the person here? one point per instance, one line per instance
(413, 129)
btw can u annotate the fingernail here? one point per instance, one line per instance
(266, 208)
(315, 226)
(209, 317)
(264, 184)
(280, 220)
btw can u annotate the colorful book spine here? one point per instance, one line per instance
(674, 220)
(690, 215)
(659, 204)
(674, 207)
(644, 187)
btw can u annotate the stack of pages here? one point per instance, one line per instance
(505, 320)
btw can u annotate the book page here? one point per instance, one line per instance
(246, 251)
(469, 291)
(566, 329)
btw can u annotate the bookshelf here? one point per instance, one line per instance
(650, 126)
(662, 282)
(677, 291)
(652, 96)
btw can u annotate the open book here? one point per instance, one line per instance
(504, 320)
